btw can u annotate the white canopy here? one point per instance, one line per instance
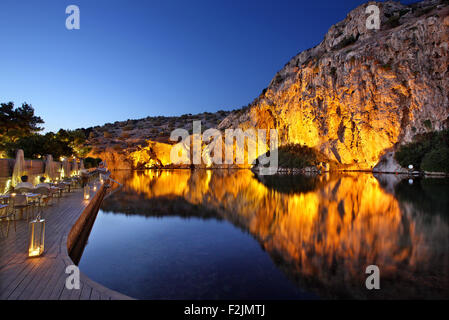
(75, 167)
(19, 168)
(50, 171)
(65, 169)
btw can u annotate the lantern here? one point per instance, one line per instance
(37, 236)
(86, 192)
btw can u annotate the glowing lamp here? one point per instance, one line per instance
(86, 192)
(37, 237)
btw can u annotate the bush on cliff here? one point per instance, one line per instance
(299, 157)
(91, 162)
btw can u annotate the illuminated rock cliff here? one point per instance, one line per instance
(354, 97)
(360, 92)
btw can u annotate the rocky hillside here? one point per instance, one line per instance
(360, 92)
(143, 143)
(354, 97)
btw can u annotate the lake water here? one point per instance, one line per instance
(229, 235)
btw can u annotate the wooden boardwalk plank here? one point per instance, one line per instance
(43, 278)
(85, 292)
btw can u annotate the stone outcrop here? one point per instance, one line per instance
(354, 97)
(154, 155)
(114, 159)
(143, 143)
(360, 93)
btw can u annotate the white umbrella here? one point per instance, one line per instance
(19, 168)
(82, 164)
(49, 168)
(65, 168)
(75, 167)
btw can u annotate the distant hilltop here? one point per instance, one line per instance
(360, 93)
(118, 142)
(354, 97)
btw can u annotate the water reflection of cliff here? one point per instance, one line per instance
(323, 234)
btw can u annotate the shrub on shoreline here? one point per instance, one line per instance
(296, 156)
(429, 152)
(436, 160)
(90, 162)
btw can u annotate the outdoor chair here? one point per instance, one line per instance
(5, 217)
(55, 192)
(33, 202)
(23, 190)
(72, 182)
(76, 182)
(63, 186)
(45, 197)
(19, 202)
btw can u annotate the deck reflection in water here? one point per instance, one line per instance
(321, 232)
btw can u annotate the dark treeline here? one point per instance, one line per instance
(20, 129)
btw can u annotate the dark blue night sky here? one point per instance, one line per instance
(133, 59)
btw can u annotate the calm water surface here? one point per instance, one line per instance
(231, 235)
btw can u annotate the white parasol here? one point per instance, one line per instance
(50, 168)
(75, 167)
(19, 168)
(65, 169)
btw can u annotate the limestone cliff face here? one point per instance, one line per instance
(154, 155)
(355, 97)
(360, 92)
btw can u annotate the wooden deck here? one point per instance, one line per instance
(43, 278)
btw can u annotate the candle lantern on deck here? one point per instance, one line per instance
(86, 192)
(37, 237)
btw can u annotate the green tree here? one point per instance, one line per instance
(431, 147)
(436, 160)
(64, 143)
(16, 123)
(19, 129)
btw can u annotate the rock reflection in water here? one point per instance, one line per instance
(321, 231)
